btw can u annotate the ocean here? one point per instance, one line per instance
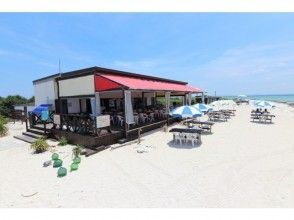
(289, 98)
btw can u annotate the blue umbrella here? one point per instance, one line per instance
(202, 107)
(186, 111)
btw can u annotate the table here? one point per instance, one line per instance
(187, 131)
(262, 117)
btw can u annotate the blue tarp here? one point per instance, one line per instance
(44, 107)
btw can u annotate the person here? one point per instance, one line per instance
(265, 111)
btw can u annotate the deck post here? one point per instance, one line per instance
(25, 116)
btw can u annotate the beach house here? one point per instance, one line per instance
(98, 106)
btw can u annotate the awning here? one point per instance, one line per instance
(107, 82)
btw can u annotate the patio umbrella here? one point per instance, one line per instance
(202, 107)
(216, 105)
(186, 111)
(263, 104)
(223, 104)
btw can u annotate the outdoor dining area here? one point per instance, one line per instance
(141, 116)
(195, 127)
(260, 113)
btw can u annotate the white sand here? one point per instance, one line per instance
(242, 164)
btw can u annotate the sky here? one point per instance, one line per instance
(226, 53)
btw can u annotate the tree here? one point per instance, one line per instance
(7, 104)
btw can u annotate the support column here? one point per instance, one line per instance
(125, 115)
(167, 105)
(128, 110)
(143, 100)
(203, 99)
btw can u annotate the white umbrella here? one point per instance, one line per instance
(203, 107)
(263, 104)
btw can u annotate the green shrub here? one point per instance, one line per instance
(40, 145)
(3, 128)
(62, 141)
(3, 120)
(77, 150)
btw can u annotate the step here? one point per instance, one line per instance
(25, 138)
(32, 134)
(36, 131)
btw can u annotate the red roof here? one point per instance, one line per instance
(105, 82)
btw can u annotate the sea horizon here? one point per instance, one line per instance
(287, 98)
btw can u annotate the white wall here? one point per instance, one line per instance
(77, 86)
(45, 92)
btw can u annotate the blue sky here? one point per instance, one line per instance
(230, 53)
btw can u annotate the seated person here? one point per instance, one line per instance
(266, 111)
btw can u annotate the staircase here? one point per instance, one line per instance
(32, 134)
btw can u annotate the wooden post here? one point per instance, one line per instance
(25, 116)
(139, 135)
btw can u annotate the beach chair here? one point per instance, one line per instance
(142, 118)
(120, 120)
(193, 138)
(179, 137)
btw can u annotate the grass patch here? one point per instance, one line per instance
(62, 141)
(3, 127)
(40, 145)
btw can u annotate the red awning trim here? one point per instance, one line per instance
(104, 82)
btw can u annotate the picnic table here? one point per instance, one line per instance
(204, 125)
(262, 117)
(213, 116)
(186, 132)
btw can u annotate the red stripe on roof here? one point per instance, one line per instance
(116, 81)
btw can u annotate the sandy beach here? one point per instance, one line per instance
(242, 164)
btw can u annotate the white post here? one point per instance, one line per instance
(129, 114)
(203, 99)
(97, 104)
(167, 101)
(189, 98)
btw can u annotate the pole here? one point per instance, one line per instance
(25, 116)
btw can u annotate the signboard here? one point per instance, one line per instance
(56, 119)
(103, 121)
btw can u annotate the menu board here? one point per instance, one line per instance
(103, 121)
